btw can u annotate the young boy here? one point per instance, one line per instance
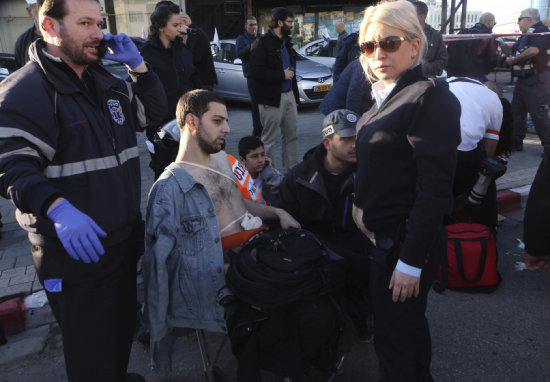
(256, 178)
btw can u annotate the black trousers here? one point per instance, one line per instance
(401, 334)
(532, 95)
(257, 127)
(96, 309)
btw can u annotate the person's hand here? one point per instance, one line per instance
(184, 29)
(534, 263)
(77, 231)
(123, 50)
(404, 286)
(267, 161)
(289, 74)
(286, 220)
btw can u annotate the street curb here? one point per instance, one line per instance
(513, 199)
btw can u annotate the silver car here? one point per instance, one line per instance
(314, 79)
(320, 52)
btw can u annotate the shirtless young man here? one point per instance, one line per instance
(193, 207)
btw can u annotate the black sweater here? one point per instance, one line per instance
(406, 152)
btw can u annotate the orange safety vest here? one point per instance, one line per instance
(244, 180)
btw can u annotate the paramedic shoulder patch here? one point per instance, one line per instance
(116, 111)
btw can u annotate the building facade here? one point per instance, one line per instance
(226, 16)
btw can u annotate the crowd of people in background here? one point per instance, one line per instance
(399, 149)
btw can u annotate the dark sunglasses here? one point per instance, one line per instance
(387, 44)
(524, 17)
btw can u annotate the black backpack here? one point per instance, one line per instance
(281, 267)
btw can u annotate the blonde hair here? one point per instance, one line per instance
(400, 14)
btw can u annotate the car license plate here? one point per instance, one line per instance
(322, 88)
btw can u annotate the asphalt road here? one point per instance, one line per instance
(502, 336)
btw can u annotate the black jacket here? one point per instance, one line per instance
(346, 55)
(22, 44)
(472, 58)
(266, 69)
(537, 212)
(303, 195)
(57, 140)
(352, 91)
(242, 44)
(435, 57)
(199, 45)
(174, 67)
(406, 158)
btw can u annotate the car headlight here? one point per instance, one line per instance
(298, 78)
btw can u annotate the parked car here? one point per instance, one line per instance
(314, 79)
(319, 52)
(7, 65)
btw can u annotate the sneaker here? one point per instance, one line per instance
(531, 130)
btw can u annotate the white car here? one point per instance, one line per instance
(319, 52)
(314, 79)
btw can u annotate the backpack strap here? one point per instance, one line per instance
(465, 79)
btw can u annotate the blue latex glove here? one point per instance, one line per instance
(77, 231)
(124, 50)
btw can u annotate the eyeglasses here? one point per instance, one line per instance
(387, 44)
(523, 17)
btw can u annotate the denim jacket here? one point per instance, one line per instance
(183, 261)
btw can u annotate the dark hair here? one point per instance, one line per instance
(168, 4)
(249, 143)
(421, 7)
(249, 18)
(279, 14)
(56, 9)
(160, 16)
(195, 102)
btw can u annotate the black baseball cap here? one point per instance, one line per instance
(342, 122)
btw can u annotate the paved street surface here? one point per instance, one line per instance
(502, 336)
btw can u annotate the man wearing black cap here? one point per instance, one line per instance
(318, 192)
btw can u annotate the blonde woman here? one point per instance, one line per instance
(406, 152)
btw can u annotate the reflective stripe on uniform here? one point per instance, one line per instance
(90, 165)
(23, 151)
(10, 132)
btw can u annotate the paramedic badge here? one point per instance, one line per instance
(116, 111)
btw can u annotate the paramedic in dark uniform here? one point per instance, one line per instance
(529, 61)
(69, 162)
(406, 156)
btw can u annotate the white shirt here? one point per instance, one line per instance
(481, 112)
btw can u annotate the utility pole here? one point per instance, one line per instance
(182, 6)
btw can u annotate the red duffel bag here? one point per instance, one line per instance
(471, 261)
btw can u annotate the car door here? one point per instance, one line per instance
(231, 81)
(321, 52)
